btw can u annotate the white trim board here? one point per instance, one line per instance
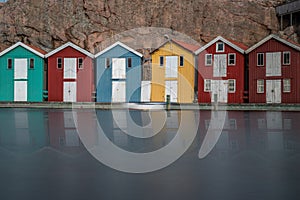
(69, 44)
(272, 36)
(220, 38)
(24, 46)
(122, 45)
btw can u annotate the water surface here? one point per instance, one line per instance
(257, 156)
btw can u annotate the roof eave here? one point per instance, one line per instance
(24, 46)
(242, 51)
(120, 44)
(69, 44)
(272, 36)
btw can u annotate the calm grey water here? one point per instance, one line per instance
(257, 156)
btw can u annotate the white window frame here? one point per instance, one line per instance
(263, 61)
(217, 47)
(259, 86)
(283, 60)
(206, 89)
(234, 86)
(234, 59)
(286, 85)
(206, 60)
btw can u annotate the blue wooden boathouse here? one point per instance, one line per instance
(118, 74)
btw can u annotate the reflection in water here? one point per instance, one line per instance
(24, 129)
(256, 156)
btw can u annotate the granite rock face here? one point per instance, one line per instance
(88, 23)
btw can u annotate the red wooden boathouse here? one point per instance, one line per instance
(274, 75)
(221, 65)
(70, 74)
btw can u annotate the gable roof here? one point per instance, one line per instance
(31, 48)
(120, 44)
(69, 44)
(189, 47)
(276, 37)
(237, 46)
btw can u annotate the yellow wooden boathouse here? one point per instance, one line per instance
(173, 72)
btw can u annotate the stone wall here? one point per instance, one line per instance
(89, 23)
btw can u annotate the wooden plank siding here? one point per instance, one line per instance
(185, 74)
(34, 79)
(287, 72)
(235, 72)
(104, 74)
(84, 77)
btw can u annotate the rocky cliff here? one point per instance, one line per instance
(87, 23)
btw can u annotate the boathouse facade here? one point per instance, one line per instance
(70, 74)
(173, 72)
(118, 74)
(221, 64)
(274, 71)
(22, 73)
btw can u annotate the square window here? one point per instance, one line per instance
(80, 63)
(220, 47)
(107, 62)
(31, 63)
(231, 85)
(208, 59)
(161, 61)
(59, 63)
(286, 85)
(260, 86)
(181, 61)
(286, 58)
(207, 85)
(231, 59)
(129, 62)
(260, 59)
(9, 63)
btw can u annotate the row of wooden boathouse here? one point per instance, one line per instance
(222, 71)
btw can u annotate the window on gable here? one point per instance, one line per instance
(231, 59)
(31, 63)
(286, 58)
(260, 59)
(220, 47)
(207, 85)
(80, 63)
(208, 59)
(286, 85)
(231, 85)
(181, 61)
(129, 62)
(9, 63)
(161, 61)
(260, 86)
(59, 63)
(107, 62)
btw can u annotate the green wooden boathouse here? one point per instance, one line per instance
(22, 73)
